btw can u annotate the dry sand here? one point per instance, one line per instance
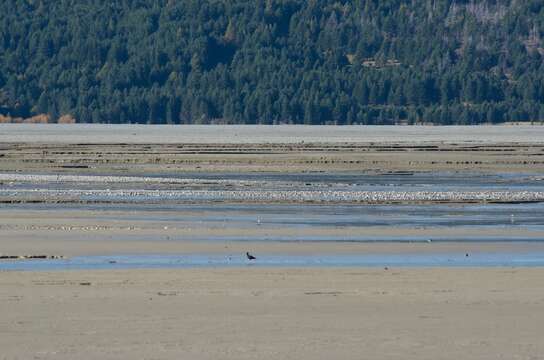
(282, 134)
(255, 313)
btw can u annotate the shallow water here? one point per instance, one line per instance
(294, 222)
(522, 259)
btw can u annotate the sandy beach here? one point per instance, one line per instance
(273, 314)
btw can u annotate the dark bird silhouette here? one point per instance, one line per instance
(466, 255)
(250, 257)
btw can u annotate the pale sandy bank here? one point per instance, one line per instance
(279, 134)
(273, 314)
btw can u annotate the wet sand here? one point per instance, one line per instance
(234, 229)
(273, 314)
(70, 245)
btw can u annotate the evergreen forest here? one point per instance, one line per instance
(273, 61)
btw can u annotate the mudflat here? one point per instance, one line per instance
(256, 313)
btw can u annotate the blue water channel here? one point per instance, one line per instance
(119, 262)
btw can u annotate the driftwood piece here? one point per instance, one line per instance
(30, 257)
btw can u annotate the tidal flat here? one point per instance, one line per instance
(429, 239)
(284, 185)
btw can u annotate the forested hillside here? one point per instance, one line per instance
(273, 61)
